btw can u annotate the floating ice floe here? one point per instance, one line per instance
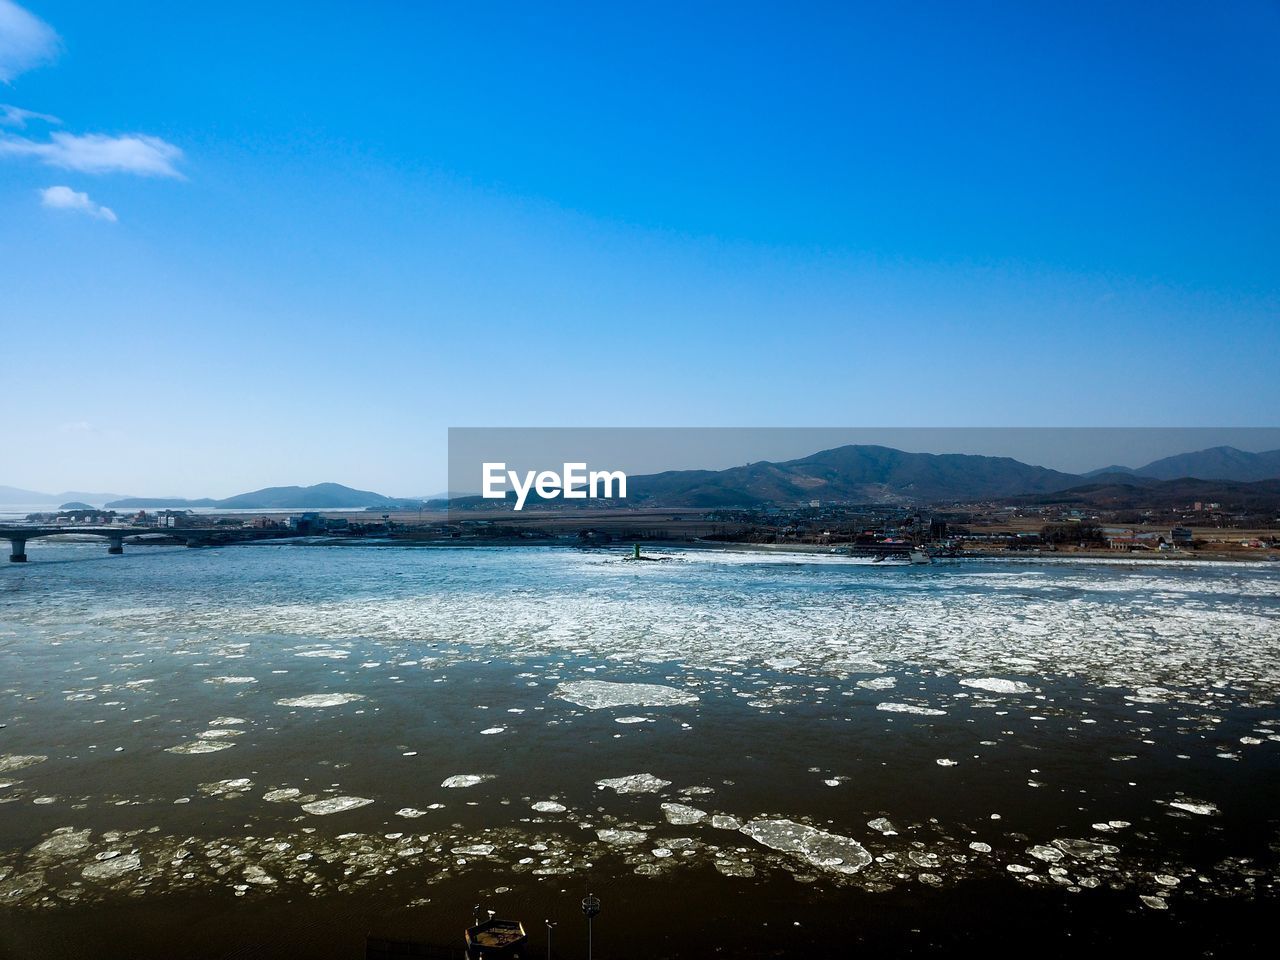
(321, 700)
(64, 842)
(17, 761)
(782, 663)
(322, 808)
(910, 708)
(1047, 854)
(466, 780)
(621, 838)
(1200, 808)
(474, 850)
(221, 788)
(996, 685)
(112, 868)
(682, 815)
(231, 681)
(490, 731)
(878, 683)
(410, 812)
(635, 783)
(723, 822)
(200, 746)
(599, 694)
(826, 851)
(281, 795)
(549, 806)
(884, 826)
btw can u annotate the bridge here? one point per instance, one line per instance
(115, 536)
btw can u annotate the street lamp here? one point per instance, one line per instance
(550, 927)
(590, 909)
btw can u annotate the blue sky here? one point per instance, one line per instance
(284, 243)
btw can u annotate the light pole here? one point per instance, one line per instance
(550, 927)
(590, 908)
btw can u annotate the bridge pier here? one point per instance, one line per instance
(17, 550)
(115, 544)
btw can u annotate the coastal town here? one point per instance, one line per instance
(1201, 530)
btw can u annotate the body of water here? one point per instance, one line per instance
(277, 749)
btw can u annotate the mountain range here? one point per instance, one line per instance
(1216, 463)
(320, 496)
(853, 473)
(873, 474)
(16, 495)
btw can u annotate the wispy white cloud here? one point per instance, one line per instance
(77, 426)
(64, 198)
(26, 41)
(135, 153)
(11, 116)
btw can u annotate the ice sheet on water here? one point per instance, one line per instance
(878, 683)
(997, 685)
(884, 826)
(220, 788)
(634, 783)
(462, 780)
(549, 806)
(231, 681)
(63, 842)
(281, 795)
(682, 815)
(18, 761)
(1199, 807)
(1086, 849)
(322, 808)
(200, 746)
(600, 694)
(113, 868)
(826, 851)
(321, 700)
(910, 708)
(621, 838)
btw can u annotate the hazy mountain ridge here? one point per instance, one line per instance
(1216, 463)
(320, 496)
(851, 473)
(1118, 492)
(35, 497)
(859, 473)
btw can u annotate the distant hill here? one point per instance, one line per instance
(16, 495)
(160, 503)
(321, 496)
(853, 473)
(1216, 463)
(1114, 468)
(1119, 493)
